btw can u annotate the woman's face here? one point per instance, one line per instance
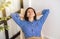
(30, 13)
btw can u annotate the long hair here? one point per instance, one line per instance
(25, 15)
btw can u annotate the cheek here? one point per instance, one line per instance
(27, 14)
(33, 14)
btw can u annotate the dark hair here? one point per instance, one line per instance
(25, 16)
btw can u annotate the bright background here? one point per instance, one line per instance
(51, 27)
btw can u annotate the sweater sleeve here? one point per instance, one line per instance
(16, 18)
(45, 13)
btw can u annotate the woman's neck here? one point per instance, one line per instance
(31, 19)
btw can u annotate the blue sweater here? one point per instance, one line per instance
(31, 28)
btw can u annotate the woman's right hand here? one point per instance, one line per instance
(22, 14)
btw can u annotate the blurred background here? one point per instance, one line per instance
(51, 26)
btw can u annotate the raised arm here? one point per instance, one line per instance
(45, 13)
(16, 18)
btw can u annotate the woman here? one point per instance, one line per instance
(30, 26)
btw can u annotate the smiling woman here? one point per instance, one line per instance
(26, 19)
(30, 26)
